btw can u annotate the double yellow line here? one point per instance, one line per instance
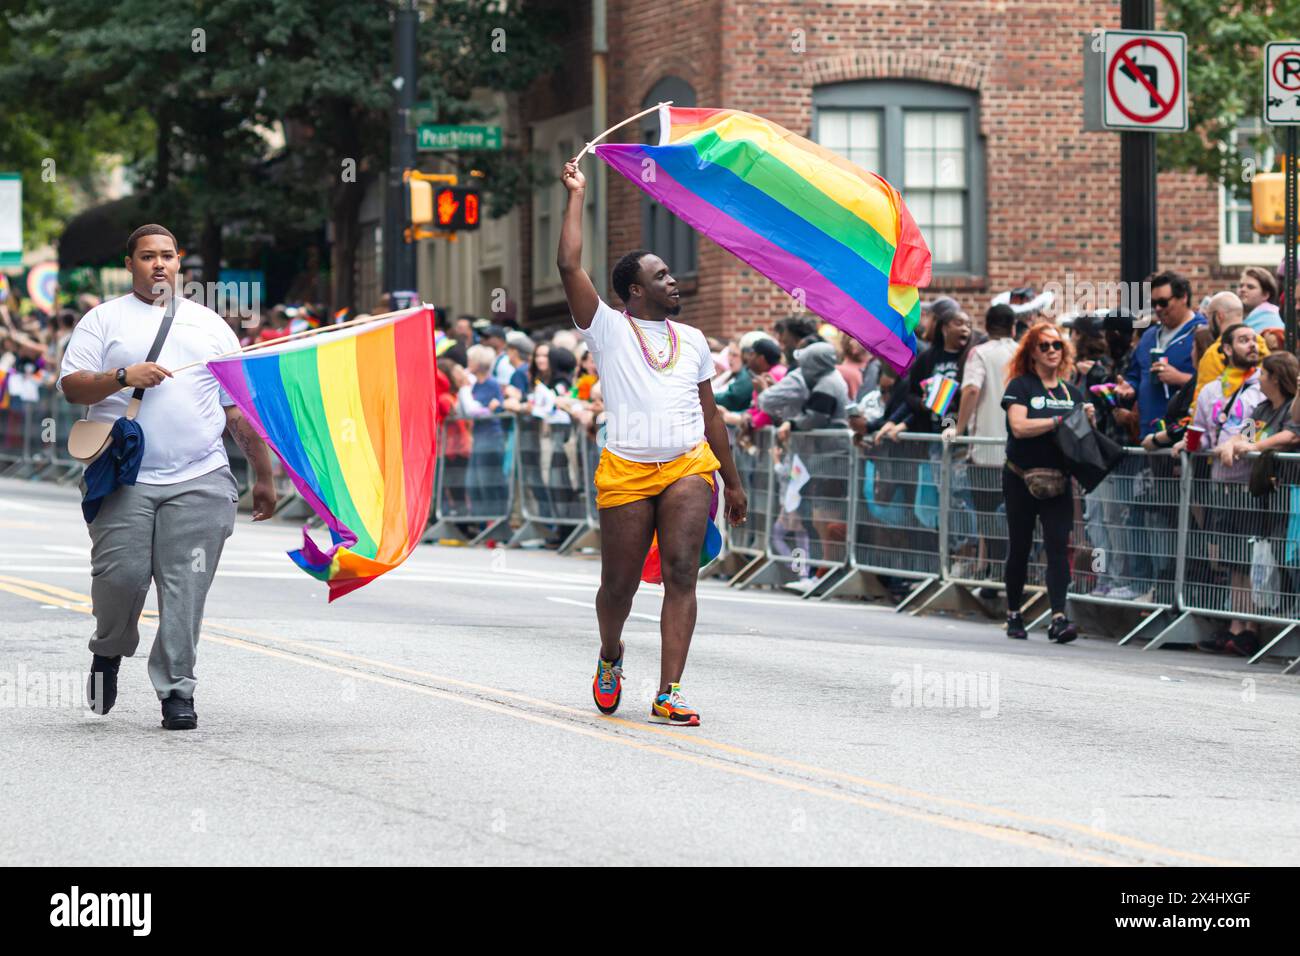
(1022, 829)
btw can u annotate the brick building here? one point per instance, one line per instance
(972, 108)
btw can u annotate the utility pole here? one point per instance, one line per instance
(399, 254)
(1137, 152)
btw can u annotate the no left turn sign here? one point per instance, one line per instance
(1144, 80)
(1282, 84)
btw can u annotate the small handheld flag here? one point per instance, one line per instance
(939, 391)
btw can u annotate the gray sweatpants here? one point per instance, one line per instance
(171, 535)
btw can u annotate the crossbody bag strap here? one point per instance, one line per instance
(155, 350)
(1225, 412)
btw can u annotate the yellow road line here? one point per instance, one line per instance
(24, 588)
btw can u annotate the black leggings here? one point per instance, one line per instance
(1057, 514)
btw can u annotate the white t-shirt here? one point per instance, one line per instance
(986, 369)
(182, 418)
(652, 416)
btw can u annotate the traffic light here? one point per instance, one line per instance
(421, 203)
(456, 208)
(1268, 203)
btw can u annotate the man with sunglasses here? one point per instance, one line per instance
(1162, 362)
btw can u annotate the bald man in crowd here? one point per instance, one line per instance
(1224, 310)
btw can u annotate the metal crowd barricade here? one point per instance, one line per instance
(47, 423)
(1241, 553)
(474, 486)
(748, 542)
(975, 531)
(894, 540)
(17, 436)
(1123, 542)
(586, 539)
(1126, 538)
(808, 515)
(552, 496)
(974, 539)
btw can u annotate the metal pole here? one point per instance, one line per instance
(1138, 250)
(1290, 227)
(1186, 463)
(399, 255)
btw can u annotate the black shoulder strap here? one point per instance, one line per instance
(156, 349)
(1225, 413)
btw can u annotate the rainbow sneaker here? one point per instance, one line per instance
(671, 708)
(607, 685)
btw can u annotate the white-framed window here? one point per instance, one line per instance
(854, 134)
(555, 141)
(923, 138)
(1239, 244)
(934, 180)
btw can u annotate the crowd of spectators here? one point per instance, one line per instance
(1208, 376)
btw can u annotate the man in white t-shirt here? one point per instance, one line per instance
(984, 379)
(666, 438)
(170, 526)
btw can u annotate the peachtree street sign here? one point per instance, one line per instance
(436, 137)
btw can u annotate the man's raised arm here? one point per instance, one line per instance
(577, 284)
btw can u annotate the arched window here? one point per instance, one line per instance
(661, 232)
(924, 138)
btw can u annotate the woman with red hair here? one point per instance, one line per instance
(1034, 481)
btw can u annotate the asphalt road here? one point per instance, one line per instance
(442, 715)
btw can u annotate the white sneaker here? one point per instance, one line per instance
(803, 585)
(1123, 593)
(1103, 590)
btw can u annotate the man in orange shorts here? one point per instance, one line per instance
(665, 440)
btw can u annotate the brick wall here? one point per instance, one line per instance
(648, 40)
(564, 90)
(1052, 191)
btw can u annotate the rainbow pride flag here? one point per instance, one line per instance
(351, 414)
(835, 236)
(1107, 390)
(939, 391)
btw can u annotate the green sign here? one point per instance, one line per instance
(431, 137)
(11, 219)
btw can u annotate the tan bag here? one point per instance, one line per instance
(89, 439)
(1041, 482)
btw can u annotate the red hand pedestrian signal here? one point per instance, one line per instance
(447, 206)
(457, 208)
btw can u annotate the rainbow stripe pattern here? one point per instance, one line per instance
(351, 414)
(939, 393)
(652, 570)
(43, 286)
(836, 237)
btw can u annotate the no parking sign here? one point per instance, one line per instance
(1144, 80)
(1282, 84)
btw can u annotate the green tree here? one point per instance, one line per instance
(57, 144)
(212, 76)
(1225, 52)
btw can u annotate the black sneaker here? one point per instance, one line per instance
(1245, 644)
(1016, 626)
(178, 713)
(1217, 643)
(103, 677)
(1062, 630)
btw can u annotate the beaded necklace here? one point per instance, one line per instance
(659, 365)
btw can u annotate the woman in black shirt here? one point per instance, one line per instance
(1038, 396)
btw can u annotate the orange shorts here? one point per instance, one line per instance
(620, 482)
